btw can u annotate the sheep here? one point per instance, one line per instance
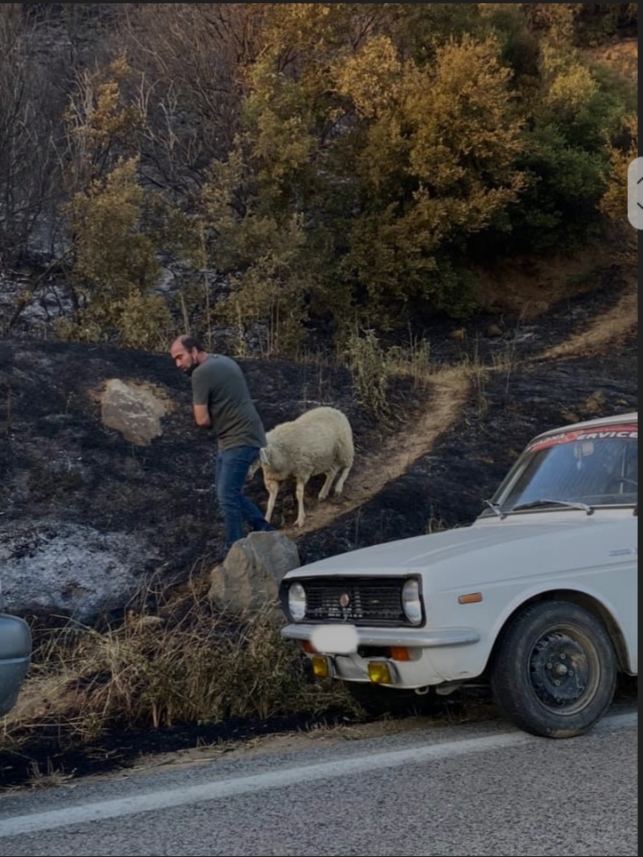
(319, 441)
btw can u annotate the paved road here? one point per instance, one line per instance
(465, 790)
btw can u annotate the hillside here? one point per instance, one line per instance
(446, 449)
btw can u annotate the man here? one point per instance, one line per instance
(221, 402)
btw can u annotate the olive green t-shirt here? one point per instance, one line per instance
(219, 383)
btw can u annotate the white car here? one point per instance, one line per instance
(538, 597)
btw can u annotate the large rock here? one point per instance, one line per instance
(252, 571)
(135, 410)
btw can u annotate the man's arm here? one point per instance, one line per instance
(201, 416)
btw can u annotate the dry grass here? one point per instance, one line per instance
(607, 331)
(51, 777)
(473, 372)
(529, 286)
(413, 361)
(189, 664)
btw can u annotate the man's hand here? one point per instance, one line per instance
(202, 416)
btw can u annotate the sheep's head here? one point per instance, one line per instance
(256, 464)
(262, 460)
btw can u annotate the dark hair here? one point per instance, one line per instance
(189, 342)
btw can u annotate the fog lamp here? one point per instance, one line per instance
(321, 667)
(379, 672)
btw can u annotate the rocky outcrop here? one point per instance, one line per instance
(250, 575)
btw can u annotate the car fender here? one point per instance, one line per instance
(538, 590)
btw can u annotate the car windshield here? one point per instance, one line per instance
(597, 467)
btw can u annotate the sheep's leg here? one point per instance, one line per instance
(273, 489)
(301, 517)
(330, 475)
(342, 478)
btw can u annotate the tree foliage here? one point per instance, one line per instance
(30, 104)
(343, 164)
(114, 255)
(614, 203)
(262, 254)
(407, 152)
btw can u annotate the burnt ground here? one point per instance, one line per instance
(431, 467)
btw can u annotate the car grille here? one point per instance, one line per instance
(367, 601)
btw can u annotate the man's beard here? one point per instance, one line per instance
(190, 369)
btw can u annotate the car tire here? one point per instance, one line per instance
(376, 699)
(555, 670)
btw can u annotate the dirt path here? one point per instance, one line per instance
(605, 330)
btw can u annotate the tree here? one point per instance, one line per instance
(186, 74)
(263, 256)
(614, 201)
(391, 162)
(28, 135)
(114, 253)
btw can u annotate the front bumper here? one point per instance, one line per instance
(436, 656)
(411, 637)
(15, 656)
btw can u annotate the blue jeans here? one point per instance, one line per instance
(230, 471)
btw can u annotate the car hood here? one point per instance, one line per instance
(491, 551)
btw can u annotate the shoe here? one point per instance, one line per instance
(265, 528)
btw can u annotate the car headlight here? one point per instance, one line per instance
(297, 602)
(411, 603)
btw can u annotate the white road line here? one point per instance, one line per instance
(273, 779)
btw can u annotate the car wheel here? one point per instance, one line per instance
(555, 671)
(376, 699)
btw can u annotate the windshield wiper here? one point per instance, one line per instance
(547, 502)
(496, 508)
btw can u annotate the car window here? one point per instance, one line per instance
(598, 467)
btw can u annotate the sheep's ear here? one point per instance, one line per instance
(263, 456)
